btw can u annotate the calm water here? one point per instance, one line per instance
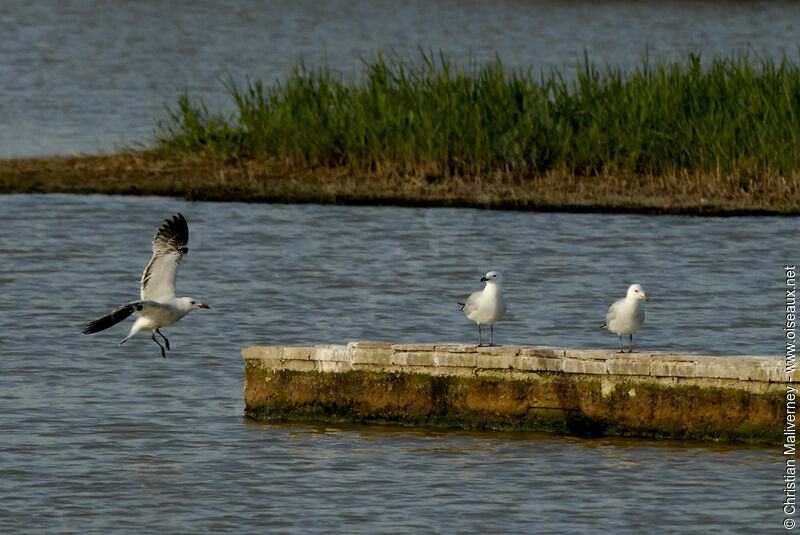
(98, 438)
(89, 75)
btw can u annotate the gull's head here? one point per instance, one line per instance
(637, 292)
(191, 303)
(493, 277)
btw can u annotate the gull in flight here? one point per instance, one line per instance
(158, 306)
(488, 305)
(626, 316)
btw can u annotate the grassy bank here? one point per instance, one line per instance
(715, 137)
(439, 119)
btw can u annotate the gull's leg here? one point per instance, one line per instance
(166, 342)
(480, 338)
(620, 345)
(163, 355)
(491, 331)
(630, 345)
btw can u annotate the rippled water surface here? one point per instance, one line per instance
(88, 75)
(100, 438)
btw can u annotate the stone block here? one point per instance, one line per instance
(262, 352)
(526, 364)
(331, 353)
(414, 358)
(716, 370)
(597, 367)
(668, 368)
(448, 359)
(497, 362)
(267, 364)
(628, 366)
(381, 356)
(297, 353)
(540, 351)
(539, 364)
(753, 371)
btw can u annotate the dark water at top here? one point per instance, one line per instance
(101, 438)
(89, 76)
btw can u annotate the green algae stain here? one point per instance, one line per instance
(557, 403)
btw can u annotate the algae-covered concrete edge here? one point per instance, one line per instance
(522, 388)
(758, 372)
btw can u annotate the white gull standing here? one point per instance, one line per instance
(488, 305)
(626, 316)
(158, 307)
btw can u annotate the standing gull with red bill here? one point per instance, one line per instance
(486, 306)
(626, 316)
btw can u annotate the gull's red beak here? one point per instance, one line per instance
(203, 305)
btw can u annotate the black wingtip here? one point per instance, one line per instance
(176, 231)
(95, 327)
(176, 224)
(111, 319)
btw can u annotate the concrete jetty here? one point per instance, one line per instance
(522, 388)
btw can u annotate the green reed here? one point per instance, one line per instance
(722, 113)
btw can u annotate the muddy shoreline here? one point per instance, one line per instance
(680, 193)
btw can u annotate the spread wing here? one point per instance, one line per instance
(169, 246)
